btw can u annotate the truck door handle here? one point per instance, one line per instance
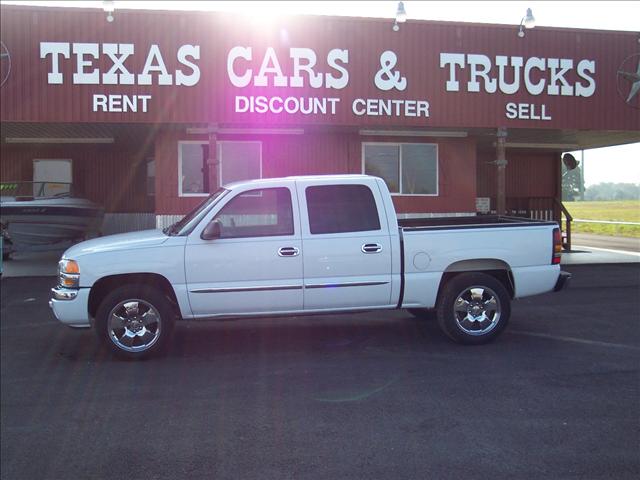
(288, 252)
(371, 248)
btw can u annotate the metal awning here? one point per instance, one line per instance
(534, 138)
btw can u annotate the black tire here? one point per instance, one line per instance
(423, 313)
(133, 303)
(483, 308)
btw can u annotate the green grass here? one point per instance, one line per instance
(623, 211)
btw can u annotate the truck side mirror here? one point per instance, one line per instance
(212, 231)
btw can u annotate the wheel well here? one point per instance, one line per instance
(502, 275)
(105, 285)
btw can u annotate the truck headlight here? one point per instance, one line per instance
(68, 273)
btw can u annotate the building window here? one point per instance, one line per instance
(236, 161)
(192, 163)
(406, 168)
(239, 161)
(341, 208)
(257, 213)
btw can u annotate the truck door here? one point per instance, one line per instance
(346, 246)
(255, 266)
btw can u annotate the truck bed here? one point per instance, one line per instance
(478, 221)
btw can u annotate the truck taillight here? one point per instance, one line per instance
(557, 247)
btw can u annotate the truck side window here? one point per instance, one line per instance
(341, 208)
(257, 213)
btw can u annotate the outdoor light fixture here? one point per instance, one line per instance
(109, 7)
(401, 16)
(528, 21)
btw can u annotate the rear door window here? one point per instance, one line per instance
(341, 208)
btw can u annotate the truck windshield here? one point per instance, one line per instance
(191, 219)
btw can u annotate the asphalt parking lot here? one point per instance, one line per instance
(366, 396)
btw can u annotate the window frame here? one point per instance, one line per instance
(219, 161)
(148, 161)
(250, 195)
(376, 206)
(399, 145)
(180, 192)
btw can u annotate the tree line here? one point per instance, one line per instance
(605, 191)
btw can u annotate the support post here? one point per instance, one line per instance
(582, 177)
(212, 161)
(501, 163)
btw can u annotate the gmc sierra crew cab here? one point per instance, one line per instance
(298, 245)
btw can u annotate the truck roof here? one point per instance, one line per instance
(293, 178)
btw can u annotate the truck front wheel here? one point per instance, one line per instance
(473, 308)
(135, 321)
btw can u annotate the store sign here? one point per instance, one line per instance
(248, 69)
(507, 75)
(535, 75)
(551, 74)
(155, 71)
(85, 54)
(306, 73)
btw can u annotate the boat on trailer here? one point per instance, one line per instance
(37, 216)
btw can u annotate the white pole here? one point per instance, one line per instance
(582, 177)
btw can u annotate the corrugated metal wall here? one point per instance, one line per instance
(282, 155)
(26, 96)
(328, 153)
(115, 175)
(110, 175)
(127, 222)
(532, 183)
(528, 174)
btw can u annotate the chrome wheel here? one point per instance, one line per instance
(134, 325)
(477, 310)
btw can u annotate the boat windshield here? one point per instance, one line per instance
(191, 219)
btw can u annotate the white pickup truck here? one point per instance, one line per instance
(298, 245)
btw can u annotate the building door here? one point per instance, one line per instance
(51, 177)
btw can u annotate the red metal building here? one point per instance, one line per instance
(158, 108)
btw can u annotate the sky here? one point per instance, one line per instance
(612, 164)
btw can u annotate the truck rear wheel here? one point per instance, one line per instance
(474, 308)
(135, 321)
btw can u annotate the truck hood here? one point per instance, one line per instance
(122, 241)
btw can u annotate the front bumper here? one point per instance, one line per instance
(71, 306)
(563, 281)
